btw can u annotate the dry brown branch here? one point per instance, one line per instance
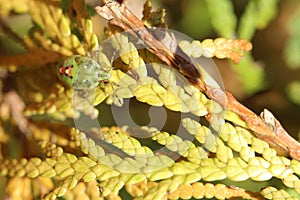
(167, 50)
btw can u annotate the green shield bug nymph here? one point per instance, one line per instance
(82, 72)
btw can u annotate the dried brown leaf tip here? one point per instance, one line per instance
(233, 49)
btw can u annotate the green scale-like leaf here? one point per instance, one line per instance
(162, 92)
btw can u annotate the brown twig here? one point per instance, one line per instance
(167, 50)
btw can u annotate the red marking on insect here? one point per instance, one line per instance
(66, 70)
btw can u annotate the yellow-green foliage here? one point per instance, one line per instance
(45, 156)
